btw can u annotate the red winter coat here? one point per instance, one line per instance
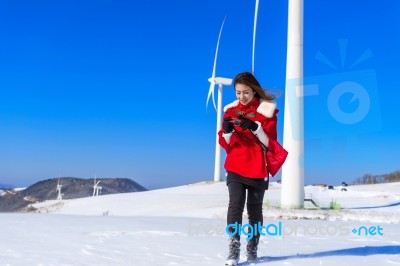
(246, 157)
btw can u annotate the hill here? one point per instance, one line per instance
(72, 188)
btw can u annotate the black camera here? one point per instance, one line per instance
(236, 121)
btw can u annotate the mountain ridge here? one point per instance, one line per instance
(71, 188)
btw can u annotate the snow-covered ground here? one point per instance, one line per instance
(186, 226)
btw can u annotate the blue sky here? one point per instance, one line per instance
(118, 88)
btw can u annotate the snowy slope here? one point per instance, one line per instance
(186, 226)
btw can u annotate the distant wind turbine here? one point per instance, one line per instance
(59, 194)
(96, 187)
(220, 81)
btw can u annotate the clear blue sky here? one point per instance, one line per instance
(118, 88)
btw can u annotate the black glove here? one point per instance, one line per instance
(228, 125)
(247, 123)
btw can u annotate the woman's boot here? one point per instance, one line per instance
(252, 246)
(234, 251)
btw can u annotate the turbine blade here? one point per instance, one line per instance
(254, 36)
(212, 81)
(216, 49)
(211, 94)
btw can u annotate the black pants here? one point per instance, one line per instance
(237, 198)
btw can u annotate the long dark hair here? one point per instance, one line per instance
(248, 79)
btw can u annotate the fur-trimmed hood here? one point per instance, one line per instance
(266, 107)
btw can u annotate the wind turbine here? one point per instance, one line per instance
(59, 194)
(96, 187)
(220, 81)
(292, 195)
(224, 81)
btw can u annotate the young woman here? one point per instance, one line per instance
(249, 126)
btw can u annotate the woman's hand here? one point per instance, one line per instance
(228, 125)
(247, 123)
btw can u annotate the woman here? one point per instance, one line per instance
(249, 126)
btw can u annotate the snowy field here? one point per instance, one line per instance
(186, 226)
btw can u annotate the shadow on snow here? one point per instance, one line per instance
(374, 207)
(359, 251)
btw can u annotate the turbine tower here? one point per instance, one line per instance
(96, 187)
(292, 195)
(220, 81)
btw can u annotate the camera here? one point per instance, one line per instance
(236, 121)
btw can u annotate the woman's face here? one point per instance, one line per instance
(244, 93)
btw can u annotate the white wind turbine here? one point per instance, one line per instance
(220, 81)
(96, 187)
(224, 81)
(59, 194)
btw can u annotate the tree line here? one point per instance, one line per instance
(376, 179)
